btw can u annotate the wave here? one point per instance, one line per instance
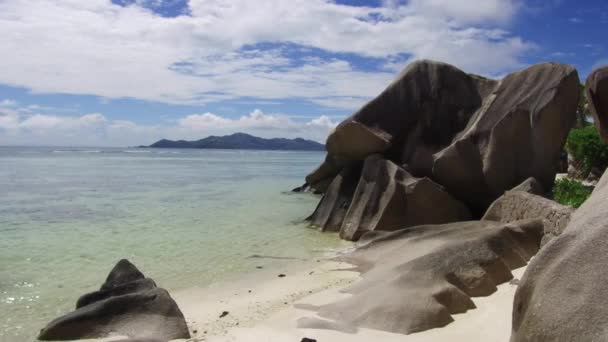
(138, 151)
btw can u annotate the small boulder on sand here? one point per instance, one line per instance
(127, 304)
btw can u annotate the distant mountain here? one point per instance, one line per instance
(242, 141)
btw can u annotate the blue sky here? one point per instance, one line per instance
(129, 72)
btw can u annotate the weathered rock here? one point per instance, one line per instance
(127, 304)
(302, 188)
(519, 205)
(474, 136)
(137, 285)
(563, 294)
(596, 89)
(518, 132)
(386, 197)
(389, 198)
(354, 140)
(416, 278)
(417, 114)
(332, 208)
(123, 272)
(320, 179)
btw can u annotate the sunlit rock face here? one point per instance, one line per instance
(472, 137)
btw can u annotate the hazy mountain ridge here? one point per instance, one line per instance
(242, 141)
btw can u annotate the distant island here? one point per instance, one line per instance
(242, 141)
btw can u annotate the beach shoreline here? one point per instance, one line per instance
(265, 307)
(247, 300)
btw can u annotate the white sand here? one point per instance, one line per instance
(267, 313)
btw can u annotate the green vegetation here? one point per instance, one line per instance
(587, 148)
(581, 108)
(570, 192)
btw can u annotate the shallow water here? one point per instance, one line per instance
(184, 217)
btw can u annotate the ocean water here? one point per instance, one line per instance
(184, 217)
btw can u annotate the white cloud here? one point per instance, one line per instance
(9, 120)
(8, 103)
(42, 122)
(346, 102)
(575, 20)
(256, 122)
(18, 127)
(112, 51)
(467, 11)
(561, 54)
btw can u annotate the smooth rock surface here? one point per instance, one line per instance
(519, 205)
(519, 132)
(563, 294)
(127, 304)
(354, 140)
(415, 279)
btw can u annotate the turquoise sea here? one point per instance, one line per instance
(184, 217)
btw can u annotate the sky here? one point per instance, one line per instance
(130, 72)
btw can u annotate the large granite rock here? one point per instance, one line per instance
(597, 94)
(563, 294)
(474, 136)
(127, 304)
(519, 205)
(518, 132)
(416, 278)
(386, 197)
(428, 101)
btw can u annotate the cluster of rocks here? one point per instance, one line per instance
(440, 145)
(405, 176)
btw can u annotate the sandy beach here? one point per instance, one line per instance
(265, 307)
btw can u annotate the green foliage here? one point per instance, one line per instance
(586, 146)
(582, 113)
(570, 192)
